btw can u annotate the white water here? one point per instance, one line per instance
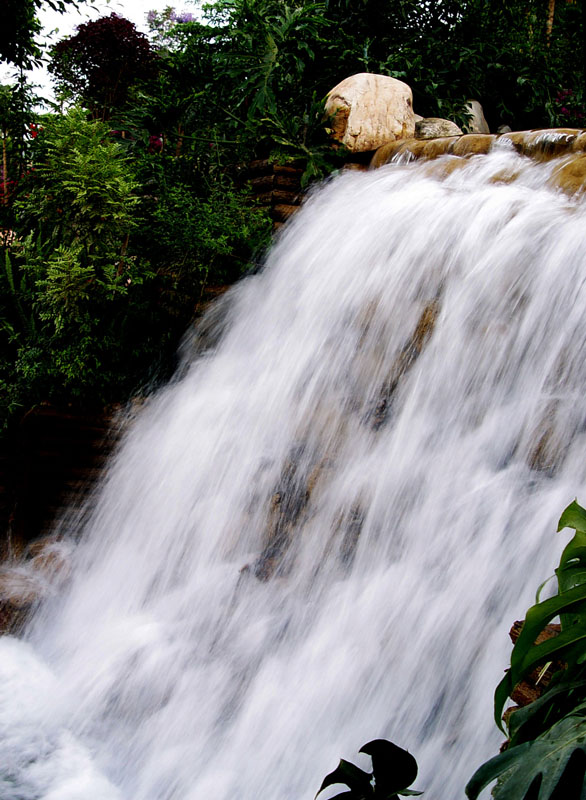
(168, 673)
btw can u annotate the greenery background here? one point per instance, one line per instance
(121, 204)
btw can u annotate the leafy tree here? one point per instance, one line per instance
(20, 26)
(101, 62)
(248, 82)
(17, 133)
(69, 274)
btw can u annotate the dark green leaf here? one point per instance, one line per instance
(394, 769)
(344, 796)
(356, 779)
(547, 757)
(526, 655)
(574, 516)
(526, 722)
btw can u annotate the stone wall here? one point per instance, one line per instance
(51, 461)
(275, 186)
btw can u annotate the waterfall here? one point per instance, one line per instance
(320, 532)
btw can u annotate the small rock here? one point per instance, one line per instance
(434, 127)
(476, 121)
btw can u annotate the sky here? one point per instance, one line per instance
(56, 26)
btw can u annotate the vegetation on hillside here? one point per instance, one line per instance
(122, 203)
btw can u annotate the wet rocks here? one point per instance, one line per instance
(286, 510)
(542, 144)
(24, 583)
(411, 351)
(351, 525)
(571, 176)
(19, 591)
(473, 144)
(566, 144)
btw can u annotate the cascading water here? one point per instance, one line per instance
(320, 532)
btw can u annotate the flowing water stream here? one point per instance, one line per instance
(320, 532)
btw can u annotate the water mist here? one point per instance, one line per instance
(320, 532)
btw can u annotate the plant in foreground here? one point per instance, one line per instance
(545, 758)
(393, 770)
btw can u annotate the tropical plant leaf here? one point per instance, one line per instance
(358, 781)
(526, 655)
(394, 769)
(529, 721)
(569, 604)
(572, 568)
(574, 516)
(545, 758)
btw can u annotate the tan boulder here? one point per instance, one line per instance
(369, 110)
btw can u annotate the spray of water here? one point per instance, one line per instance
(320, 532)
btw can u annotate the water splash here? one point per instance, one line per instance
(320, 532)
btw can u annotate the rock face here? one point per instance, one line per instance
(477, 122)
(571, 176)
(434, 127)
(24, 583)
(368, 110)
(540, 145)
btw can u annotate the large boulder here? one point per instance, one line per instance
(435, 127)
(369, 110)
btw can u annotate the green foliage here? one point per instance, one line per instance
(110, 233)
(213, 236)
(68, 276)
(250, 82)
(546, 752)
(548, 766)
(83, 191)
(20, 26)
(393, 771)
(17, 132)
